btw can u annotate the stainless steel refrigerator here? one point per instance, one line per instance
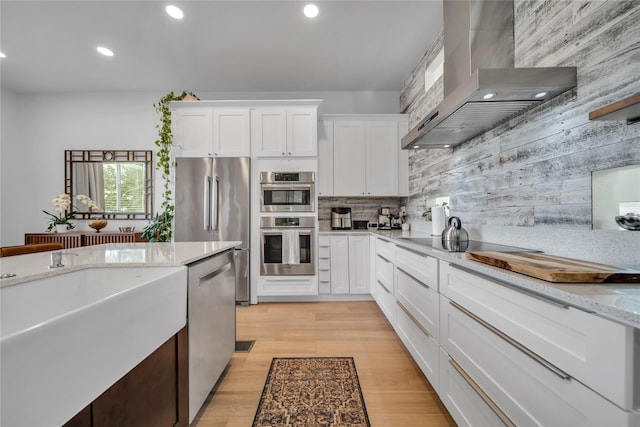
(212, 202)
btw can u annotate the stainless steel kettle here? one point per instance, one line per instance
(454, 237)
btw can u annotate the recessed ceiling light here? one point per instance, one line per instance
(2, 55)
(311, 10)
(489, 95)
(104, 51)
(416, 146)
(540, 95)
(446, 146)
(174, 12)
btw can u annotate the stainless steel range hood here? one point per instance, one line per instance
(481, 86)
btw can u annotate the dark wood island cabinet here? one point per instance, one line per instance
(154, 393)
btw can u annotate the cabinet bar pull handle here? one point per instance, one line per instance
(418, 324)
(533, 294)
(383, 257)
(503, 417)
(413, 277)
(559, 372)
(384, 287)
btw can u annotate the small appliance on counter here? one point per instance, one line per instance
(396, 223)
(341, 219)
(384, 219)
(454, 237)
(360, 225)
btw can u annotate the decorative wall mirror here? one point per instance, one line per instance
(119, 181)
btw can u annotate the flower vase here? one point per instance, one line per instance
(61, 228)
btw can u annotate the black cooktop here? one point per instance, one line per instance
(472, 246)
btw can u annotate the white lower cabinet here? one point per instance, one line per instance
(347, 264)
(464, 403)
(386, 301)
(526, 389)
(422, 345)
(596, 351)
(287, 286)
(500, 355)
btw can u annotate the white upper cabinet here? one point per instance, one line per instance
(192, 131)
(302, 132)
(231, 132)
(382, 158)
(269, 131)
(205, 131)
(284, 131)
(325, 159)
(349, 159)
(243, 128)
(367, 159)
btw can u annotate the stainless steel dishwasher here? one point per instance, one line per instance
(212, 324)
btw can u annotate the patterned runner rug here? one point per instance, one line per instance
(312, 391)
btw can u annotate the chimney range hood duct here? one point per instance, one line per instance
(479, 61)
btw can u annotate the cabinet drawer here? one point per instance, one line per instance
(419, 301)
(324, 275)
(595, 351)
(527, 390)
(424, 347)
(384, 272)
(324, 252)
(422, 267)
(323, 241)
(386, 249)
(324, 264)
(386, 302)
(464, 404)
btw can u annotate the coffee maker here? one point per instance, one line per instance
(384, 219)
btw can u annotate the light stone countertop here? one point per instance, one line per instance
(616, 301)
(36, 266)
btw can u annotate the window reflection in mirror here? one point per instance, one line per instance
(119, 181)
(614, 192)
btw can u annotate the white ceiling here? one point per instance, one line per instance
(219, 45)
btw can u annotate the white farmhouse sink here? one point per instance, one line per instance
(65, 339)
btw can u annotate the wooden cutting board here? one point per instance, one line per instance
(556, 269)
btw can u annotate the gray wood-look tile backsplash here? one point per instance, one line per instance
(535, 169)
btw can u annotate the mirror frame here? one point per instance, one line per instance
(98, 156)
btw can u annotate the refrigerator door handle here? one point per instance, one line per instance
(207, 203)
(214, 204)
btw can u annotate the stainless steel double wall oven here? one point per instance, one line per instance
(287, 242)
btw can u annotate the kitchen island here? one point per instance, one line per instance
(104, 338)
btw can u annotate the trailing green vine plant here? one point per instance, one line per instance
(160, 226)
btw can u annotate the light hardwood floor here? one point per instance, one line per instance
(396, 393)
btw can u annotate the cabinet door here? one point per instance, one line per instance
(359, 264)
(339, 265)
(403, 161)
(193, 131)
(302, 132)
(349, 159)
(231, 132)
(382, 158)
(325, 159)
(269, 132)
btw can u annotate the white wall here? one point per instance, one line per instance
(37, 128)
